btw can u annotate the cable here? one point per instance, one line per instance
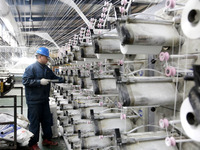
(145, 70)
(142, 126)
(75, 30)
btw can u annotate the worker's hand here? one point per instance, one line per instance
(44, 81)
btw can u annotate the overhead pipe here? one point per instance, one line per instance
(11, 24)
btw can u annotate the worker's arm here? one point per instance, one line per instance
(28, 78)
(54, 77)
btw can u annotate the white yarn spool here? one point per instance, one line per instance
(190, 21)
(193, 131)
(60, 131)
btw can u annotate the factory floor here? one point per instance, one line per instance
(61, 145)
(9, 102)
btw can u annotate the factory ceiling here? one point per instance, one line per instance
(58, 19)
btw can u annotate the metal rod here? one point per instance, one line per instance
(127, 107)
(184, 140)
(174, 122)
(22, 100)
(54, 80)
(9, 106)
(4, 123)
(67, 143)
(21, 88)
(150, 138)
(15, 120)
(184, 56)
(147, 79)
(175, 9)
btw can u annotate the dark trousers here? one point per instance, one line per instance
(39, 113)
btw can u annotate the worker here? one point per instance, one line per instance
(36, 80)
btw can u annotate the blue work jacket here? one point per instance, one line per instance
(35, 92)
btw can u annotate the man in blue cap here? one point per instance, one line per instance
(36, 80)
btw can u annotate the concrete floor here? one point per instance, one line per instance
(61, 145)
(9, 101)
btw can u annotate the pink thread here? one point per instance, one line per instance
(123, 2)
(164, 56)
(170, 141)
(87, 40)
(170, 4)
(101, 20)
(167, 141)
(106, 3)
(92, 19)
(173, 71)
(164, 123)
(122, 9)
(104, 9)
(100, 71)
(87, 34)
(99, 25)
(99, 64)
(88, 122)
(119, 104)
(88, 31)
(123, 116)
(99, 96)
(173, 141)
(121, 62)
(170, 71)
(103, 15)
(100, 103)
(101, 137)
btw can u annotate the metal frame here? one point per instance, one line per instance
(21, 88)
(15, 115)
(12, 122)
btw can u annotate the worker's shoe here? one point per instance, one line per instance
(46, 142)
(34, 147)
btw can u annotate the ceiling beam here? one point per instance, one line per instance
(27, 19)
(51, 29)
(48, 2)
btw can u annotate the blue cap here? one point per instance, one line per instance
(43, 51)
